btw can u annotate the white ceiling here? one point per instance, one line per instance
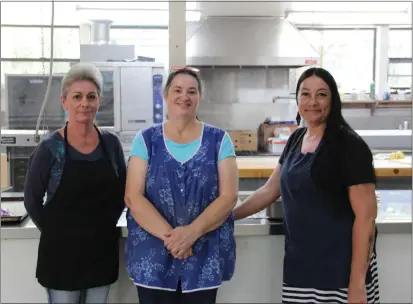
(153, 12)
(259, 8)
(238, 8)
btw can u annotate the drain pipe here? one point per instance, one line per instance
(49, 83)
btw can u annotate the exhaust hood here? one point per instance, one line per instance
(249, 41)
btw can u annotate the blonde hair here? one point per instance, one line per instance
(82, 71)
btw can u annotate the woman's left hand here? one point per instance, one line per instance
(357, 294)
(180, 239)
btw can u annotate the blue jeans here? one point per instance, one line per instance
(93, 295)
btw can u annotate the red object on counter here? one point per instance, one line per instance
(311, 61)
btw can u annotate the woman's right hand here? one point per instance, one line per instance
(184, 255)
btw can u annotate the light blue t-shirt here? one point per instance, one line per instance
(181, 152)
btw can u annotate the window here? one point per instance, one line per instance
(345, 54)
(400, 43)
(400, 59)
(400, 73)
(38, 13)
(26, 42)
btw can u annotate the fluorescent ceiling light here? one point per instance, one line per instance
(356, 18)
(148, 5)
(390, 6)
(133, 16)
(123, 5)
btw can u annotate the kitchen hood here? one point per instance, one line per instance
(249, 41)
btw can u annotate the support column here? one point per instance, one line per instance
(382, 60)
(177, 34)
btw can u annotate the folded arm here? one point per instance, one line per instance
(143, 211)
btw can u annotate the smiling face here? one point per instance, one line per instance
(182, 96)
(314, 100)
(81, 101)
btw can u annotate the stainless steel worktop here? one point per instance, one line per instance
(394, 216)
(246, 227)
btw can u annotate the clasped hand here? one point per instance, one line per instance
(179, 241)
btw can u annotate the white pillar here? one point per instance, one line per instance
(382, 60)
(177, 33)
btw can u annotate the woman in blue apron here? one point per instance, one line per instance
(82, 169)
(326, 180)
(181, 187)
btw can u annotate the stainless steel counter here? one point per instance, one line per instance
(246, 227)
(394, 216)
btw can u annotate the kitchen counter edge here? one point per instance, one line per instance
(247, 227)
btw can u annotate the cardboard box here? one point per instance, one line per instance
(267, 130)
(244, 140)
(4, 172)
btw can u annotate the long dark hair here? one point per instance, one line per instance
(323, 169)
(335, 118)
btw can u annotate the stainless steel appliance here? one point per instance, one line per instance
(272, 212)
(249, 41)
(275, 211)
(16, 147)
(131, 100)
(136, 91)
(248, 66)
(25, 95)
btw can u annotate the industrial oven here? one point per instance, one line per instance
(131, 100)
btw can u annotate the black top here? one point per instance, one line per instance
(78, 246)
(46, 165)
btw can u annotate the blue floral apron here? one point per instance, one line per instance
(181, 191)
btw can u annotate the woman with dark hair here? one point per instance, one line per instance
(182, 184)
(326, 179)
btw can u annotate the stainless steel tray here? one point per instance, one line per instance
(17, 213)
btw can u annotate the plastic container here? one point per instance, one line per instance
(282, 129)
(276, 145)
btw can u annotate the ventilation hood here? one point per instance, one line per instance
(249, 41)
